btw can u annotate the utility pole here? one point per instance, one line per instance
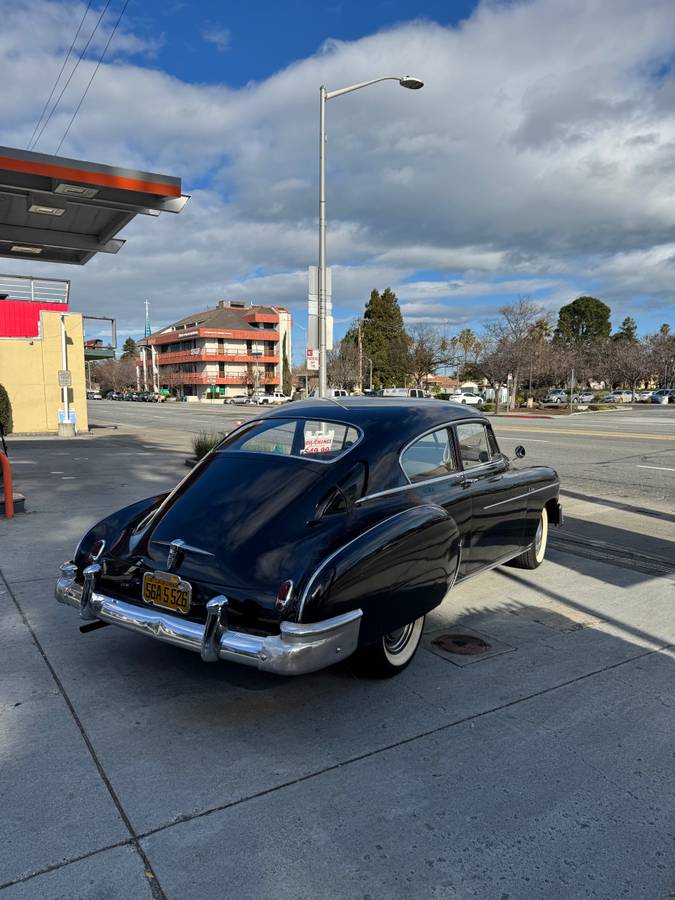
(360, 339)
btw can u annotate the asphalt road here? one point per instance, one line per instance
(624, 455)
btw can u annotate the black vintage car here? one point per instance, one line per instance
(317, 533)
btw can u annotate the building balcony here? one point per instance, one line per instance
(236, 334)
(200, 378)
(190, 356)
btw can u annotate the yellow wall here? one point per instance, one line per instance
(29, 371)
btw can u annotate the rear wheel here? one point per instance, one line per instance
(534, 557)
(391, 653)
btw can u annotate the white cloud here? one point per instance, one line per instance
(218, 36)
(539, 157)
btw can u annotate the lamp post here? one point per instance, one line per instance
(370, 363)
(406, 81)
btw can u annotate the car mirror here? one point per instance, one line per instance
(520, 451)
(483, 456)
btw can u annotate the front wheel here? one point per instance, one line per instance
(534, 557)
(391, 653)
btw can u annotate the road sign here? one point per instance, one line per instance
(65, 378)
(312, 360)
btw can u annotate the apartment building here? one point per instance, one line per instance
(231, 349)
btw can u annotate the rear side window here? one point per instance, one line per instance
(306, 438)
(473, 444)
(431, 456)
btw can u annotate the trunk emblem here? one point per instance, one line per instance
(173, 554)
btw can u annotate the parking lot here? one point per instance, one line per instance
(542, 767)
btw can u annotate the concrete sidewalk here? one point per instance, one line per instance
(542, 767)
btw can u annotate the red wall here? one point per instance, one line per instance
(21, 318)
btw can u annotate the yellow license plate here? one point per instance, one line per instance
(166, 590)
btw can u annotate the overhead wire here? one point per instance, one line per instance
(58, 77)
(74, 69)
(98, 64)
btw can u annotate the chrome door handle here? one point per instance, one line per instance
(467, 481)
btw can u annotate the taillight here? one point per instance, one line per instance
(284, 595)
(97, 549)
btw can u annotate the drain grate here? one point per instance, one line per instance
(464, 644)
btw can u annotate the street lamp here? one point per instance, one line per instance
(406, 81)
(370, 363)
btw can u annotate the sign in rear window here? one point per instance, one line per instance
(306, 438)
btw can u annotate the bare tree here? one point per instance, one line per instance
(510, 341)
(343, 365)
(428, 349)
(115, 374)
(661, 349)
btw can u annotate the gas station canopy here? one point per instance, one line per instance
(55, 209)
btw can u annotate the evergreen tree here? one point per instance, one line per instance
(384, 339)
(584, 320)
(5, 411)
(286, 376)
(129, 349)
(627, 332)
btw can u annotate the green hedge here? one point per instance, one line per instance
(5, 411)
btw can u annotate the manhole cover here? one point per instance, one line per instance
(464, 644)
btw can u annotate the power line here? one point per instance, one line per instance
(63, 89)
(98, 64)
(58, 77)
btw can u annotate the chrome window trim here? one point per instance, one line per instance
(519, 496)
(324, 462)
(408, 487)
(462, 421)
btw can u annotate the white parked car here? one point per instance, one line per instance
(332, 393)
(270, 399)
(584, 397)
(414, 393)
(466, 397)
(619, 397)
(644, 396)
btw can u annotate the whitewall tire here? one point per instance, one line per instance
(391, 653)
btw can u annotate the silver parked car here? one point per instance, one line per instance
(619, 397)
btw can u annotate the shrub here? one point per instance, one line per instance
(204, 442)
(487, 407)
(5, 411)
(602, 407)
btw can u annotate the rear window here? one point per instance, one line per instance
(306, 438)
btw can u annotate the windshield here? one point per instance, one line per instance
(307, 438)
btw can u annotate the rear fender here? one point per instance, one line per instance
(114, 529)
(396, 571)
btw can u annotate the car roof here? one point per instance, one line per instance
(410, 416)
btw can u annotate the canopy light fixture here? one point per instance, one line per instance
(75, 190)
(46, 210)
(22, 248)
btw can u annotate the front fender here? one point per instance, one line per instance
(115, 527)
(395, 571)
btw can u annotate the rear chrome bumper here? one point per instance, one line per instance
(297, 650)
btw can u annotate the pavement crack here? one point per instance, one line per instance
(155, 887)
(66, 862)
(180, 820)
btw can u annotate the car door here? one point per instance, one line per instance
(430, 463)
(498, 498)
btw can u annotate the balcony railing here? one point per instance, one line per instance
(198, 378)
(40, 290)
(199, 355)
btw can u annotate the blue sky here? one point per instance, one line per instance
(250, 41)
(538, 160)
